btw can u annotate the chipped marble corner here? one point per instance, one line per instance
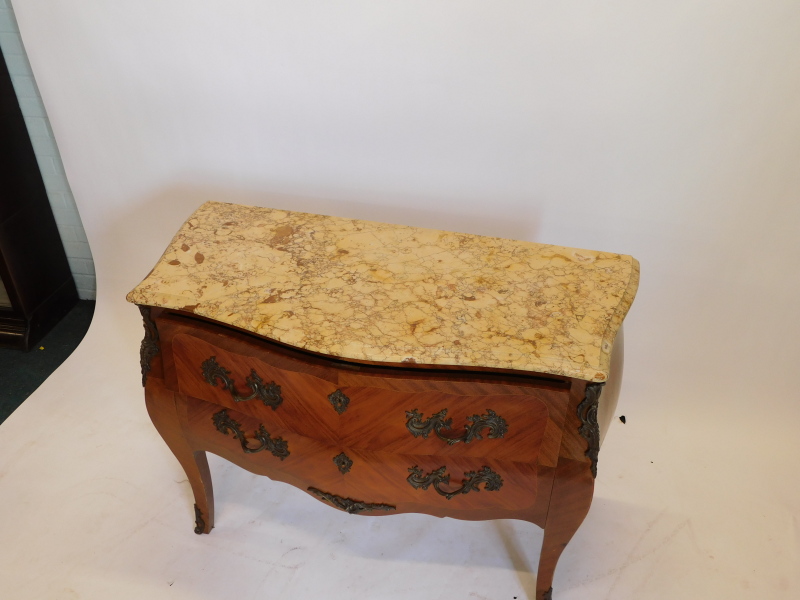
(615, 324)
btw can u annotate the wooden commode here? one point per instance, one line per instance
(385, 369)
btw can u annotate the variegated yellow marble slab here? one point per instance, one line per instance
(389, 293)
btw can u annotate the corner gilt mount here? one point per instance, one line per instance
(590, 430)
(150, 344)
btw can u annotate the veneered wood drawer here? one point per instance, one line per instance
(378, 420)
(384, 477)
(303, 460)
(303, 397)
(370, 476)
(376, 408)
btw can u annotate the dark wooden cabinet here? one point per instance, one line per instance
(36, 277)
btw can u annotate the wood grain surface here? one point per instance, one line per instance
(541, 458)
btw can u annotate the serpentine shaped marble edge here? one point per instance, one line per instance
(389, 293)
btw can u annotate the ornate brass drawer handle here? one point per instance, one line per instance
(270, 394)
(349, 505)
(491, 480)
(224, 424)
(438, 423)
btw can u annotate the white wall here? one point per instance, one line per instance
(62, 202)
(669, 131)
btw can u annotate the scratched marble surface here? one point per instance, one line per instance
(377, 292)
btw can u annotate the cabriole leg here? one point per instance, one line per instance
(162, 409)
(572, 496)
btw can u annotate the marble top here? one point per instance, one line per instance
(390, 293)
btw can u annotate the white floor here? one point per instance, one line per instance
(687, 505)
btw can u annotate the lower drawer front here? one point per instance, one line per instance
(340, 474)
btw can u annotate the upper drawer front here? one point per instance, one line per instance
(444, 424)
(292, 399)
(416, 414)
